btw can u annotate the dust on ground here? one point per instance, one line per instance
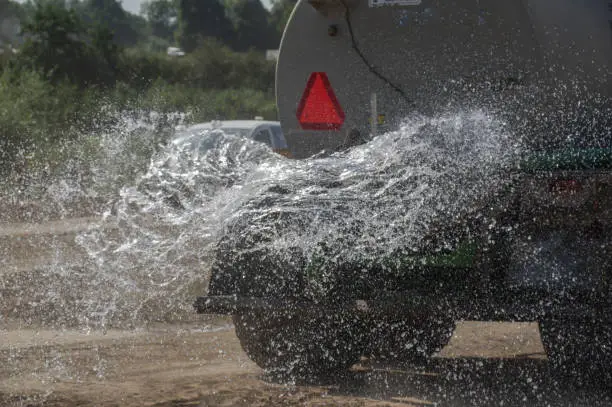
(200, 362)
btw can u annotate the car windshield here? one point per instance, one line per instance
(204, 138)
(236, 131)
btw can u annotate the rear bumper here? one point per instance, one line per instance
(507, 306)
(232, 305)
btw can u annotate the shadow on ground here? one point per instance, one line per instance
(456, 383)
(473, 382)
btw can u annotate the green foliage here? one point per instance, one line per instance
(211, 104)
(220, 68)
(4, 7)
(125, 27)
(34, 115)
(10, 8)
(54, 34)
(201, 19)
(211, 66)
(251, 27)
(155, 44)
(60, 46)
(162, 17)
(57, 126)
(280, 13)
(38, 119)
(240, 24)
(71, 82)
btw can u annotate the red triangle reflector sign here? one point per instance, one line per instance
(319, 109)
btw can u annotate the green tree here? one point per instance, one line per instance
(199, 19)
(7, 8)
(251, 25)
(54, 39)
(10, 14)
(59, 45)
(161, 16)
(105, 51)
(111, 14)
(280, 13)
(11, 8)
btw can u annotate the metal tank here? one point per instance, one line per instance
(382, 60)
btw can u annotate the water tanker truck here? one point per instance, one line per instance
(351, 70)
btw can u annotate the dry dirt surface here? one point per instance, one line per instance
(203, 365)
(200, 363)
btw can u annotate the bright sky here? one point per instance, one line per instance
(133, 6)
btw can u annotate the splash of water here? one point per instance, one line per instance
(213, 195)
(77, 176)
(402, 189)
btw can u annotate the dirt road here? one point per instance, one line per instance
(203, 365)
(200, 363)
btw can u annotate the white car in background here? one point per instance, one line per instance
(267, 132)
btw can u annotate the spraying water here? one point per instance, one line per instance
(151, 254)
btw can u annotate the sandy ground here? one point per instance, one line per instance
(200, 363)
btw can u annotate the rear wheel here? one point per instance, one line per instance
(298, 347)
(578, 351)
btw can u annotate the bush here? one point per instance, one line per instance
(59, 44)
(211, 66)
(39, 119)
(43, 117)
(206, 105)
(33, 115)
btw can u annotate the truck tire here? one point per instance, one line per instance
(297, 347)
(580, 352)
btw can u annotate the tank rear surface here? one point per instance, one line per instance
(386, 59)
